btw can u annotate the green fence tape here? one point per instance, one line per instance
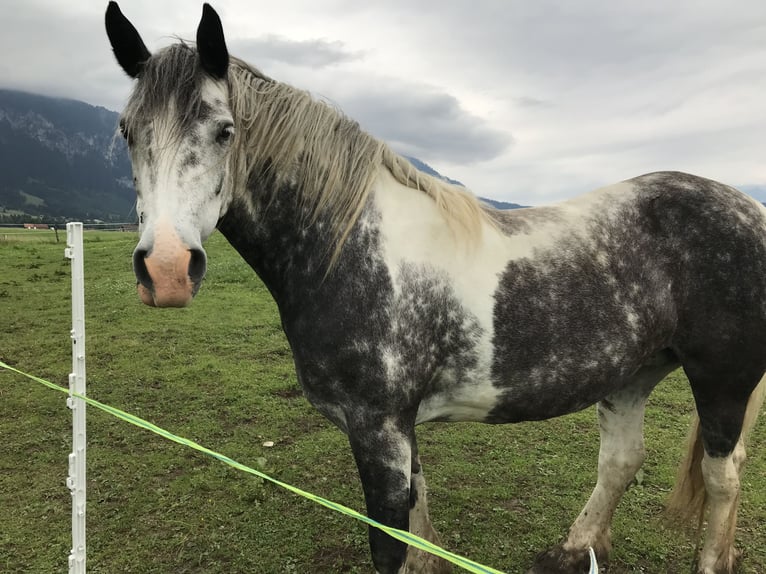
(400, 535)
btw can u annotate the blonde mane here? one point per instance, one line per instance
(290, 136)
(331, 159)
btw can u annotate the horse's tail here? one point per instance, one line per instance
(688, 498)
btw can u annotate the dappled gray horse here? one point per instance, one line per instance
(405, 300)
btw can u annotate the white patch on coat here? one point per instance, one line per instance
(413, 231)
(399, 451)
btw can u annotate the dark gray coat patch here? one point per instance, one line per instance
(662, 273)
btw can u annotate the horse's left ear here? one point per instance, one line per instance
(211, 45)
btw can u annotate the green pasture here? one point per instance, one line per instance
(220, 373)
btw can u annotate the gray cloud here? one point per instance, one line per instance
(61, 49)
(423, 122)
(530, 102)
(316, 53)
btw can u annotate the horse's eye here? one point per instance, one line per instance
(225, 134)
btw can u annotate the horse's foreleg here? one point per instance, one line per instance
(621, 419)
(420, 525)
(620, 457)
(383, 455)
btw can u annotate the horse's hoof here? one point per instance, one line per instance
(556, 560)
(419, 562)
(726, 564)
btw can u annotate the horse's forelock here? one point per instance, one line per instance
(171, 76)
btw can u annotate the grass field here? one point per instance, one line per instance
(220, 372)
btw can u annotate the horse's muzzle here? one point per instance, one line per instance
(168, 278)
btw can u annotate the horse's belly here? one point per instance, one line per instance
(472, 406)
(467, 395)
(538, 397)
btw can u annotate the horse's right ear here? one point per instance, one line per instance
(211, 45)
(129, 48)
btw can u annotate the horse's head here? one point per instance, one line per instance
(179, 130)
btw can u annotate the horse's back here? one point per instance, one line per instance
(707, 238)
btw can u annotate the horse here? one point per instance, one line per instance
(406, 300)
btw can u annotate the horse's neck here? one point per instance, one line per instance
(289, 252)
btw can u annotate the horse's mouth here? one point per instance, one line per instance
(169, 280)
(176, 298)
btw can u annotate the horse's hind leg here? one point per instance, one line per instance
(721, 477)
(722, 402)
(621, 423)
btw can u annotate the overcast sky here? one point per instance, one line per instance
(529, 101)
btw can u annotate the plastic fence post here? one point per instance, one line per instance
(76, 478)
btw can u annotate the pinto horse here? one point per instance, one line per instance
(405, 300)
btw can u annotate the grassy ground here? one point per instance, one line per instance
(220, 373)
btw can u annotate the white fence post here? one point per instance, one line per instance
(76, 479)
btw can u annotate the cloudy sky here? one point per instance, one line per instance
(529, 101)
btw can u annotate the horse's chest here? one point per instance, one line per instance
(416, 340)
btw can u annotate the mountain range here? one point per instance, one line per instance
(61, 159)
(425, 168)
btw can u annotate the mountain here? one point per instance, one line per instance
(59, 158)
(502, 204)
(425, 168)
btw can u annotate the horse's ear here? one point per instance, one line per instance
(129, 48)
(211, 45)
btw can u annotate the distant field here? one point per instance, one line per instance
(15, 234)
(18, 234)
(220, 372)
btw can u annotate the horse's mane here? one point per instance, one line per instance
(305, 141)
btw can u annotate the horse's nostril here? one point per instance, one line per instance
(139, 268)
(197, 266)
